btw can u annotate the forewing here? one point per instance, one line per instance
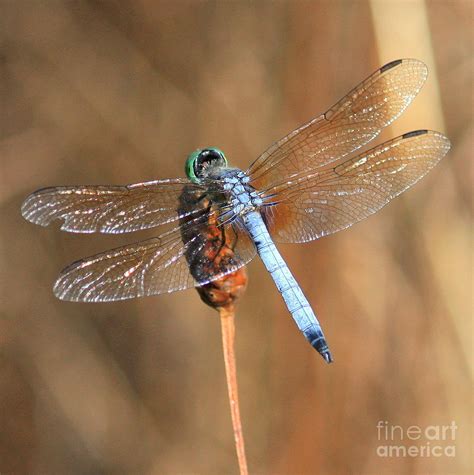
(107, 209)
(332, 199)
(151, 267)
(348, 125)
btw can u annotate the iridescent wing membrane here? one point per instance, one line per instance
(149, 267)
(307, 196)
(309, 189)
(330, 199)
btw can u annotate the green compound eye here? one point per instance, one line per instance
(198, 163)
(189, 166)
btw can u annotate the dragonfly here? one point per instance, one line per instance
(309, 184)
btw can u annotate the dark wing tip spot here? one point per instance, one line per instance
(414, 133)
(391, 65)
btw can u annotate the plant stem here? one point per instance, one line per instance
(228, 333)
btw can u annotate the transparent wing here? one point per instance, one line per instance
(159, 265)
(351, 123)
(107, 209)
(331, 199)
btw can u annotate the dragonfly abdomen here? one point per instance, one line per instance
(291, 292)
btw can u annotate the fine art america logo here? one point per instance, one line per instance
(416, 441)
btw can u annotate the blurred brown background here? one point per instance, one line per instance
(121, 91)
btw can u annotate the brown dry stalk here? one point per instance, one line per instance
(228, 333)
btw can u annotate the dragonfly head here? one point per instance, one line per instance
(200, 163)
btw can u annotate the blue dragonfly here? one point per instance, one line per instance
(305, 186)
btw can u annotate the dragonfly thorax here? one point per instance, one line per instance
(243, 197)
